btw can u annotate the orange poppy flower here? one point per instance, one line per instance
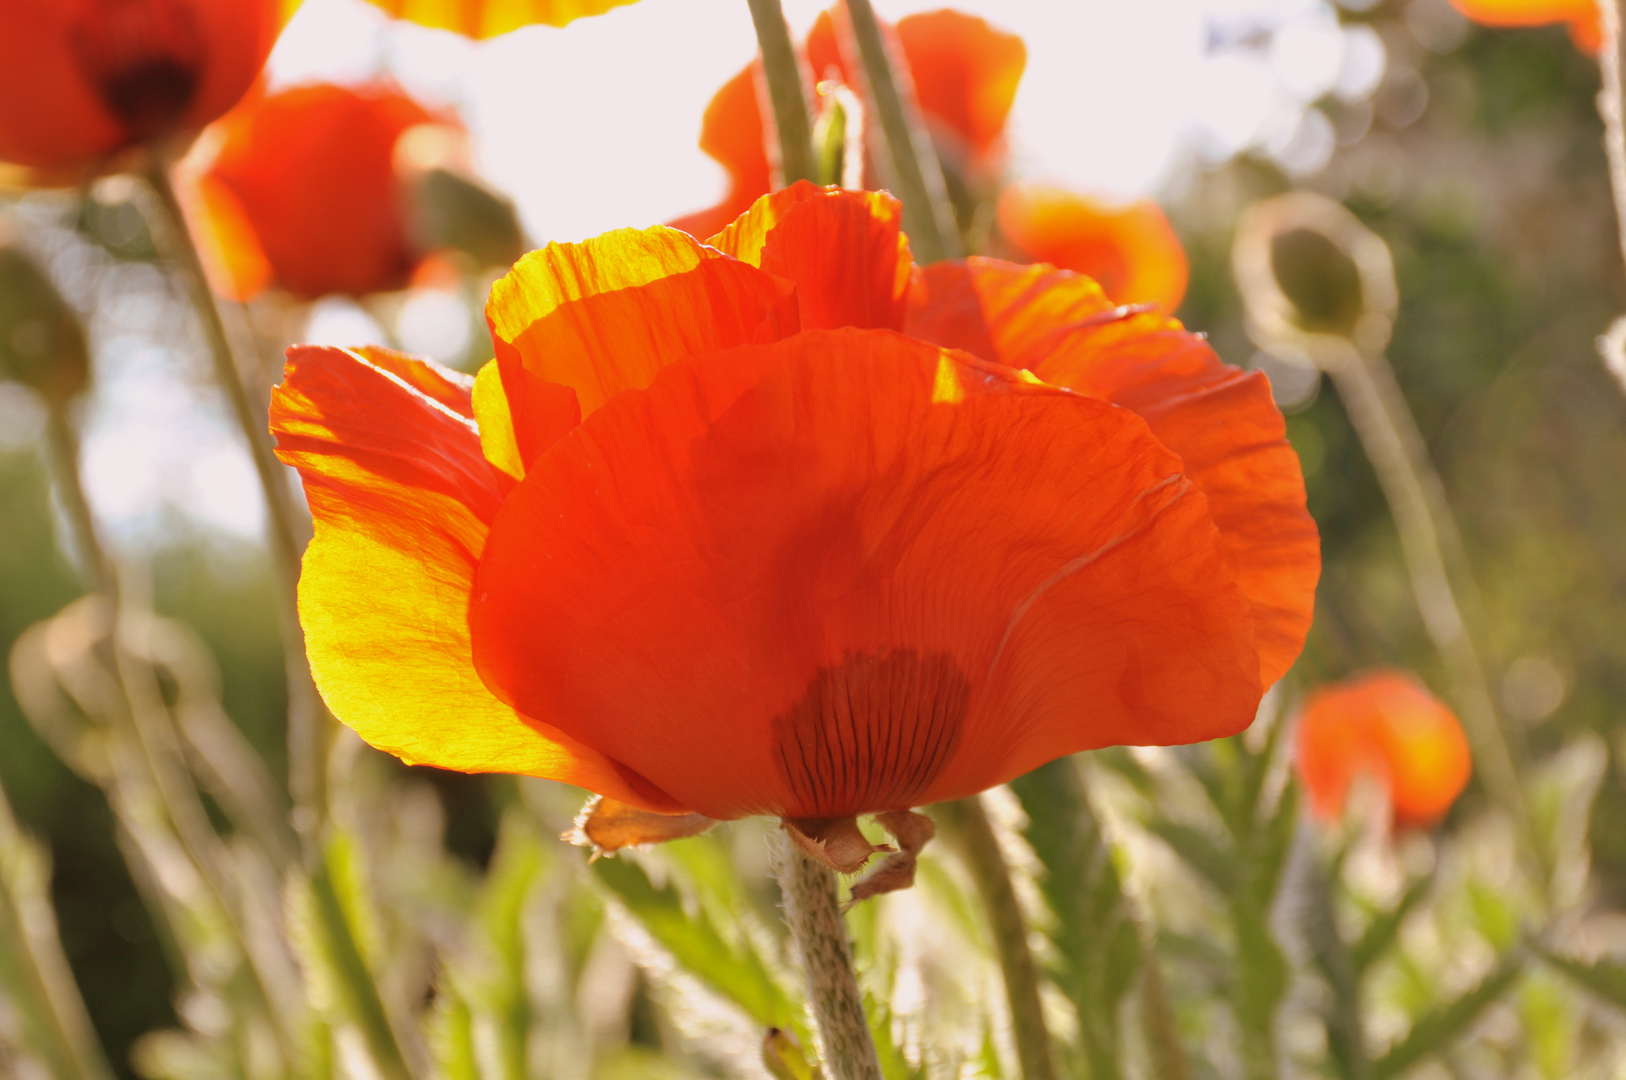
(82, 79)
(712, 537)
(1386, 724)
(302, 191)
(1130, 248)
(965, 74)
(488, 18)
(1586, 30)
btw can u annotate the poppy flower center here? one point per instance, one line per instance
(871, 734)
(144, 57)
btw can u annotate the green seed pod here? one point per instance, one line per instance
(42, 344)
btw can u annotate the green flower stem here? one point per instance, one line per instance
(973, 836)
(787, 93)
(816, 926)
(913, 169)
(34, 972)
(1388, 433)
(358, 993)
(309, 725)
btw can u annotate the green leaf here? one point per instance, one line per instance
(1201, 852)
(514, 871)
(1439, 1027)
(451, 1036)
(728, 965)
(1605, 978)
(1384, 928)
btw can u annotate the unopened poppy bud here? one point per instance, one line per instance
(783, 1057)
(452, 210)
(42, 344)
(1321, 281)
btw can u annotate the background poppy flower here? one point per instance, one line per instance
(488, 18)
(965, 74)
(83, 79)
(1581, 15)
(300, 190)
(710, 535)
(1129, 248)
(1387, 724)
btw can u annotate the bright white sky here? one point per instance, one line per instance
(593, 127)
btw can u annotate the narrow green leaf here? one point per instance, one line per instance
(1605, 978)
(728, 965)
(1384, 928)
(1437, 1028)
(1201, 852)
(451, 1036)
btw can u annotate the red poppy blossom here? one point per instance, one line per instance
(1582, 16)
(1130, 249)
(1388, 725)
(784, 525)
(965, 75)
(81, 80)
(488, 18)
(302, 191)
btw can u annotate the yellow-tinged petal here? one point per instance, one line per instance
(488, 18)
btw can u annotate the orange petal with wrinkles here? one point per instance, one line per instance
(1130, 249)
(402, 500)
(1220, 420)
(844, 250)
(605, 315)
(851, 572)
(487, 18)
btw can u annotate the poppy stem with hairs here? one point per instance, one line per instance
(787, 93)
(914, 171)
(972, 834)
(309, 724)
(1612, 108)
(814, 917)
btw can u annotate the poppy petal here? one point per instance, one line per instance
(850, 572)
(965, 74)
(1220, 420)
(402, 501)
(1130, 250)
(845, 250)
(481, 19)
(605, 315)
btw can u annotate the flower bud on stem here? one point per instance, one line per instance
(814, 917)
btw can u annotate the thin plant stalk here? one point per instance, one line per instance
(1416, 497)
(1612, 108)
(308, 722)
(973, 836)
(50, 1011)
(814, 917)
(787, 95)
(913, 169)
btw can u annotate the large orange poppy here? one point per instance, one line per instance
(1582, 17)
(488, 18)
(302, 192)
(1130, 249)
(965, 75)
(784, 525)
(1385, 724)
(83, 79)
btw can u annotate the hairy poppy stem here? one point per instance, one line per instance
(787, 93)
(1612, 108)
(914, 170)
(814, 918)
(308, 720)
(973, 836)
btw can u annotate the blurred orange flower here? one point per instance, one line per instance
(1130, 248)
(965, 74)
(81, 80)
(1387, 724)
(488, 18)
(1586, 30)
(301, 190)
(711, 535)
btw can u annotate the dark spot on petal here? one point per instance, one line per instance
(145, 59)
(872, 734)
